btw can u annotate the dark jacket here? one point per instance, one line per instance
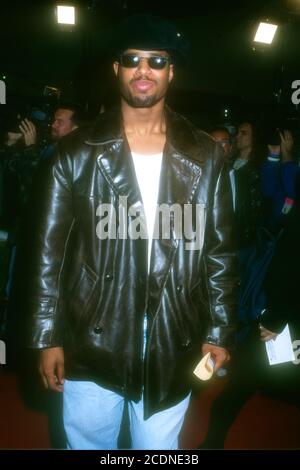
(249, 204)
(90, 295)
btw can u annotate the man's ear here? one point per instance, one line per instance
(116, 67)
(171, 72)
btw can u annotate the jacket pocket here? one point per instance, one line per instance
(82, 293)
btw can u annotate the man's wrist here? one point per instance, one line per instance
(273, 156)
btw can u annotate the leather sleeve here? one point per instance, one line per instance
(220, 262)
(52, 219)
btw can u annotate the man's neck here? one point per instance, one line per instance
(244, 154)
(144, 122)
(145, 128)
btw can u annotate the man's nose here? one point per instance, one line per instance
(144, 65)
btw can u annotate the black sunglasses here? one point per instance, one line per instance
(157, 62)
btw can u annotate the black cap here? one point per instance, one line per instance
(147, 32)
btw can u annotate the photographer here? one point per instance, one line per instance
(19, 153)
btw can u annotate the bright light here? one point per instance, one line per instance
(265, 33)
(65, 15)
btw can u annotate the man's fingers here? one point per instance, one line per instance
(49, 380)
(267, 338)
(220, 360)
(53, 382)
(219, 355)
(52, 368)
(27, 126)
(266, 335)
(44, 379)
(22, 128)
(287, 134)
(60, 373)
(30, 126)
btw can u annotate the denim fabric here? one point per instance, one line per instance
(93, 415)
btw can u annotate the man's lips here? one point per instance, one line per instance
(142, 85)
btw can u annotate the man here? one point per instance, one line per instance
(244, 142)
(247, 185)
(222, 136)
(114, 317)
(67, 118)
(279, 174)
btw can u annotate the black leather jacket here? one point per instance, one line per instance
(90, 295)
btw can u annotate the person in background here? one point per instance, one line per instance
(222, 136)
(279, 174)
(283, 306)
(243, 374)
(68, 117)
(23, 153)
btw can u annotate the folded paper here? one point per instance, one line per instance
(205, 368)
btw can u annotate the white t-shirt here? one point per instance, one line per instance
(147, 169)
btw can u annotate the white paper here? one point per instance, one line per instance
(280, 349)
(205, 368)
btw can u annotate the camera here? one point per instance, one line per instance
(42, 122)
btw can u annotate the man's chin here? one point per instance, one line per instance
(142, 102)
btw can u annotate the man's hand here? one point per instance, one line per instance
(29, 132)
(219, 355)
(51, 368)
(274, 149)
(287, 144)
(266, 335)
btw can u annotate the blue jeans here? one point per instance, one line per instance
(93, 415)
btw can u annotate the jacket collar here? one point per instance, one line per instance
(181, 135)
(180, 167)
(107, 129)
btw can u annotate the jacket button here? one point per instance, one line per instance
(108, 277)
(178, 288)
(186, 344)
(98, 330)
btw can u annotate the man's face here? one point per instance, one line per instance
(223, 139)
(244, 137)
(62, 123)
(143, 86)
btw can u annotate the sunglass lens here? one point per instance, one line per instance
(131, 61)
(157, 62)
(127, 60)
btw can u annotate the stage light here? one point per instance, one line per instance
(265, 33)
(65, 14)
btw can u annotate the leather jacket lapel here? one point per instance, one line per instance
(114, 156)
(178, 181)
(117, 167)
